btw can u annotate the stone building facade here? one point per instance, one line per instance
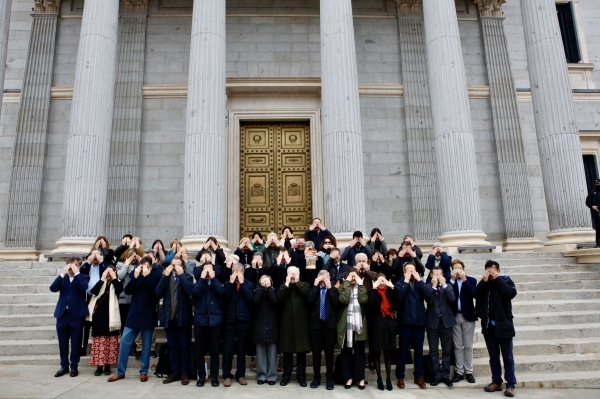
(452, 120)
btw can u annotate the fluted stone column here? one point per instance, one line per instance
(556, 129)
(205, 152)
(342, 139)
(458, 189)
(5, 7)
(512, 161)
(25, 190)
(123, 171)
(419, 122)
(88, 147)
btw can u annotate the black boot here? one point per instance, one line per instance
(380, 385)
(107, 369)
(98, 371)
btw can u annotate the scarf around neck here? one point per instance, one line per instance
(114, 316)
(354, 317)
(385, 308)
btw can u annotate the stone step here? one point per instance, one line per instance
(558, 294)
(50, 272)
(477, 271)
(563, 285)
(27, 320)
(27, 308)
(529, 307)
(517, 262)
(502, 255)
(7, 266)
(47, 297)
(535, 277)
(551, 318)
(524, 333)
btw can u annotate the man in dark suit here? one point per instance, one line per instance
(71, 310)
(336, 268)
(322, 326)
(412, 294)
(494, 294)
(357, 246)
(464, 313)
(440, 258)
(592, 201)
(440, 325)
(317, 232)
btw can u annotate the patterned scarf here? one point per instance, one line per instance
(354, 317)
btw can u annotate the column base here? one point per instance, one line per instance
(19, 255)
(561, 241)
(74, 245)
(521, 244)
(585, 256)
(451, 241)
(195, 244)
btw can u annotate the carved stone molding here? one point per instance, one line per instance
(490, 8)
(46, 6)
(410, 7)
(131, 6)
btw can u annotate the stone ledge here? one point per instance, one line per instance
(585, 256)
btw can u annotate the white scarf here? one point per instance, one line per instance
(114, 316)
(353, 317)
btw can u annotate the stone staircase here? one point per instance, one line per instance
(557, 318)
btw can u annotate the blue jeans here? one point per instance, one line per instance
(179, 340)
(414, 335)
(495, 346)
(129, 335)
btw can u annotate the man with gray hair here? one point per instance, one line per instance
(239, 294)
(271, 250)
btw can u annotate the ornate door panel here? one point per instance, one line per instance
(275, 178)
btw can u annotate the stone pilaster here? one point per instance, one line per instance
(25, 192)
(419, 122)
(205, 152)
(88, 147)
(454, 145)
(123, 179)
(556, 129)
(342, 139)
(5, 8)
(512, 162)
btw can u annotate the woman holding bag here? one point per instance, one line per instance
(106, 321)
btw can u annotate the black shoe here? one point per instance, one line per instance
(435, 382)
(153, 354)
(200, 382)
(380, 385)
(271, 383)
(107, 370)
(362, 387)
(470, 378)
(74, 373)
(447, 382)
(457, 378)
(284, 382)
(61, 372)
(260, 382)
(315, 383)
(371, 366)
(98, 371)
(302, 382)
(138, 355)
(347, 386)
(329, 385)
(214, 382)
(388, 384)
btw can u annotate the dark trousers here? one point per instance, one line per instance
(352, 364)
(179, 340)
(288, 365)
(235, 341)
(123, 311)
(495, 346)
(69, 328)
(87, 326)
(434, 337)
(415, 335)
(207, 337)
(323, 340)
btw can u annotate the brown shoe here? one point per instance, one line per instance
(116, 377)
(185, 379)
(143, 377)
(242, 381)
(510, 392)
(493, 387)
(400, 384)
(420, 383)
(171, 378)
(227, 382)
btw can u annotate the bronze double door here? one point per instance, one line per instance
(275, 184)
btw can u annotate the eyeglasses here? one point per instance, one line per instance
(327, 242)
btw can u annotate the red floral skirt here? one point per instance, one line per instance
(105, 350)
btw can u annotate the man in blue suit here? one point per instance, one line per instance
(464, 313)
(70, 314)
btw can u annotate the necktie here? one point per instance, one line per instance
(176, 277)
(438, 292)
(323, 293)
(238, 286)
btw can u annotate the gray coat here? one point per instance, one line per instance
(442, 307)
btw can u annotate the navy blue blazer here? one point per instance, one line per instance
(467, 303)
(142, 310)
(445, 264)
(85, 269)
(72, 295)
(184, 304)
(238, 303)
(411, 309)
(207, 303)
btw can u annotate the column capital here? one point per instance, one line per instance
(46, 6)
(490, 8)
(135, 6)
(409, 7)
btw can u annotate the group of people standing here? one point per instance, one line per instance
(289, 296)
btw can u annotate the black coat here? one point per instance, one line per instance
(332, 269)
(253, 275)
(184, 304)
(270, 255)
(317, 236)
(591, 200)
(382, 330)
(100, 320)
(266, 320)
(299, 260)
(395, 272)
(505, 292)
(142, 311)
(238, 303)
(411, 307)
(331, 304)
(245, 256)
(219, 262)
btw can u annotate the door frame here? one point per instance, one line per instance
(232, 189)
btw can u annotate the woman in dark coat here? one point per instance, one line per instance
(106, 322)
(266, 331)
(382, 336)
